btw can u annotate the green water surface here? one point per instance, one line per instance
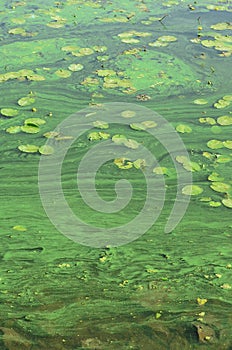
(163, 290)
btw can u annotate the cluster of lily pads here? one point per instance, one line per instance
(221, 43)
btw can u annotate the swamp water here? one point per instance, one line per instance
(162, 290)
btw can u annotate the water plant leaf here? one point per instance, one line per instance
(14, 129)
(95, 136)
(227, 144)
(123, 163)
(75, 67)
(224, 120)
(30, 129)
(192, 190)
(46, 150)
(28, 148)
(26, 101)
(220, 187)
(215, 204)
(9, 112)
(200, 101)
(227, 202)
(207, 120)
(128, 114)
(215, 177)
(34, 121)
(139, 163)
(63, 73)
(131, 144)
(19, 228)
(183, 128)
(119, 139)
(215, 144)
(100, 124)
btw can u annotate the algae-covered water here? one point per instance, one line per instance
(163, 289)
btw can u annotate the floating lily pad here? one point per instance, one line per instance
(75, 67)
(192, 190)
(26, 101)
(19, 228)
(139, 163)
(95, 136)
(128, 114)
(131, 144)
(9, 112)
(227, 144)
(207, 120)
(215, 204)
(105, 72)
(188, 164)
(28, 148)
(63, 73)
(30, 129)
(46, 150)
(85, 51)
(227, 202)
(183, 128)
(51, 134)
(221, 104)
(119, 139)
(100, 124)
(224, 120)
(215, 144)
(123, 163)
(223, 159)
(161, 170)
(34, 121)
(200, 101)
(215, 177)
(222, 26)
(220, 187)
(14, 129)
(137, 126)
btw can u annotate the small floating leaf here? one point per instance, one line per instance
(63, 73)
(227, 144)
(215, 144)
(20, 228)
(51, 134)
(26, 101)
(192, 190)
(123, 163)
(215, 204)
(131, 144)
(200, 101)
(128, 114)
(28, 148)
(9, 112)
(207, 120)
(220, 187)
(34, 121)
(119, 139)
(46, 150)
(75, 67)
(139, 163)
(100, 124)
(227, 202)
(224, 120)
(183, 128)
(13, 129)
(215, 177)
(95, 136)
(30, 129)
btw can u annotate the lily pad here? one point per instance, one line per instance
(215, 177)
(207, 120)
(20, 228)
(192, 190)
(34, 121)
(200, 101)
(227, 144)
(28, 148)
(26, 101)
(139, 163)
(183, 128)
(131, 144)
(63, 73)
(215, 144)
(30, 129)
(215, 204)
(46, 150)
(119, 139)
(14, 129)
(227, 202)
(75, 67)
(100, 124)
(9, 112)
(128, 114)
(220, 187)
(95, 136)
(123, 163)
(224, 120)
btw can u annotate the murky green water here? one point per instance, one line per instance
(163, 290)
